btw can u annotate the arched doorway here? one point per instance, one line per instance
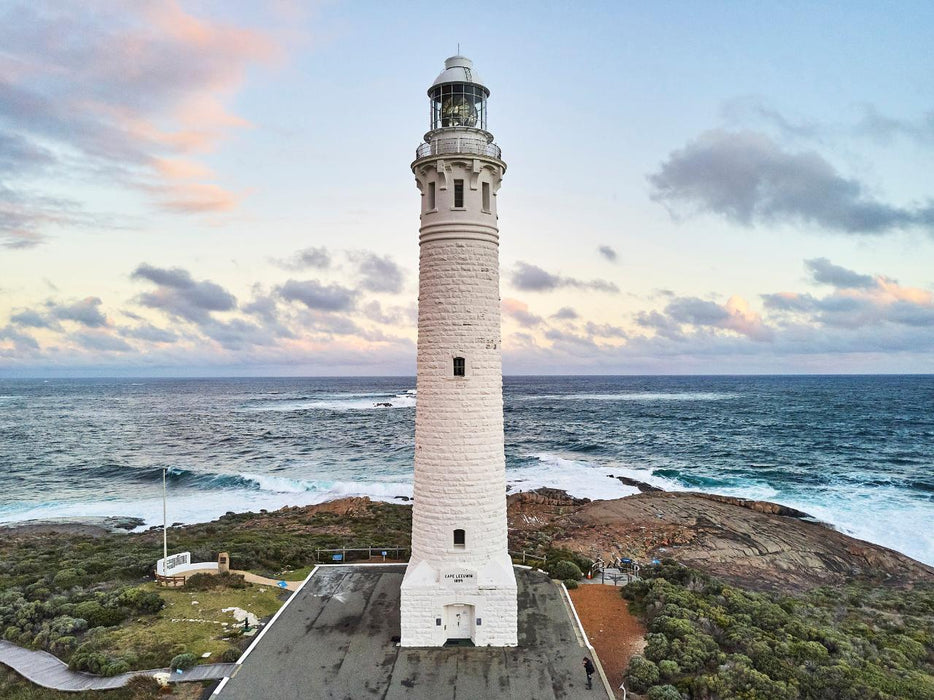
(458, 622)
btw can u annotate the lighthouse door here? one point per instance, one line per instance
(458, 621)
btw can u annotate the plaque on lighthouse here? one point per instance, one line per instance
(459, 585)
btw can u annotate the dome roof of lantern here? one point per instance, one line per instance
(459, 69)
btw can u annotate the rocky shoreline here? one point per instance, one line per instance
(754, 544)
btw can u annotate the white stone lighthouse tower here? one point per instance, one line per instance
(459, 584)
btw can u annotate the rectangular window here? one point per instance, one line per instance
(486, 196)
(459, 367)
(431, 196)
(458, 194)
(459, 538)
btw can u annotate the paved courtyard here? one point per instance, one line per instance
(337, 639)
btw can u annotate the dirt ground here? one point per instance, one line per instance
(613, 632)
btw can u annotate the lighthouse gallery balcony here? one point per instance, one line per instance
(452, 145)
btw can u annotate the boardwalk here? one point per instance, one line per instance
(44, 669)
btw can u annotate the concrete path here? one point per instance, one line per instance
(338, 639)
(248, 577)
(43, 669)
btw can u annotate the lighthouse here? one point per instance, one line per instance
(459, 585)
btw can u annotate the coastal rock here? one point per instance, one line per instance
(755, 544)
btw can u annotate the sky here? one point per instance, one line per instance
(224, 189)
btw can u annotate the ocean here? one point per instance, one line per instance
(853, 451)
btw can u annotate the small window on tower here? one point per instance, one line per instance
(459, 367)
(431, 196)
(486, 196)
(458, 194)
(459, 539)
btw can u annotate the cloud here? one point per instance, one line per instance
(885, 129)
(378, 274)
(314, 295)
(734, 316)
(565, 313)
(825, 272)
(748, 179)
(604, 330)
(150, 334)
(395, 315)
(857, 300)
(32, 319)
(118, 94)
(85, 312)
(179, 295)
(519, 311)
(531, 278)
(317, 258)
(607, 252)
(100, 341)
(22, 343)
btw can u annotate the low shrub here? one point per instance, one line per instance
(183, 662)
(565, 570)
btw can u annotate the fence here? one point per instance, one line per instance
(529, 556)
(344, 554)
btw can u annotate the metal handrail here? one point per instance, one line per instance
(440, 147)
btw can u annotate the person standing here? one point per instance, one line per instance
(589, 669)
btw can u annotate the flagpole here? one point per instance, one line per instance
(165, 540)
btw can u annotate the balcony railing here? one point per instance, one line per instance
(458, 144)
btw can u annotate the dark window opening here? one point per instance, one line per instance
(486, 196)
(458, 193)
(431, 196)
(460, 367)
(459, 538)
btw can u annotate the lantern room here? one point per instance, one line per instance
(458, 98)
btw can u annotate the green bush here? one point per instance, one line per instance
(641, 675)
(68, 578)
(668, 669)
(183, 661)
(565, 570)
(230, 655)
(663, 692)
(570, 584)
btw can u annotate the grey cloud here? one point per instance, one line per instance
(85, 312)
(32, 319)
(696, 311)
(607, 252)
(789, 302)
(263, 306)
(825, 272)
(754, 109)
(604, 330)
(378, 274)
(395, 315)
(662, 325)
(179, 295)
(565, 313)
(237, 334)
(531, 278)
(100, 341)
(748, 179)
(149, 333)
(885, 129)
(317, 258)
(523, 317)
(315, 295)
(22, 342)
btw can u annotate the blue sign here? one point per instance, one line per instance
(282, 584)
(337, 557)
(384, 554)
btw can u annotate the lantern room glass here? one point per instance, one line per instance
(458, 104)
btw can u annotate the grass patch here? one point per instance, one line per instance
(182, 626)
(299, 574)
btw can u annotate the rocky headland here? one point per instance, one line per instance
(754, 544)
